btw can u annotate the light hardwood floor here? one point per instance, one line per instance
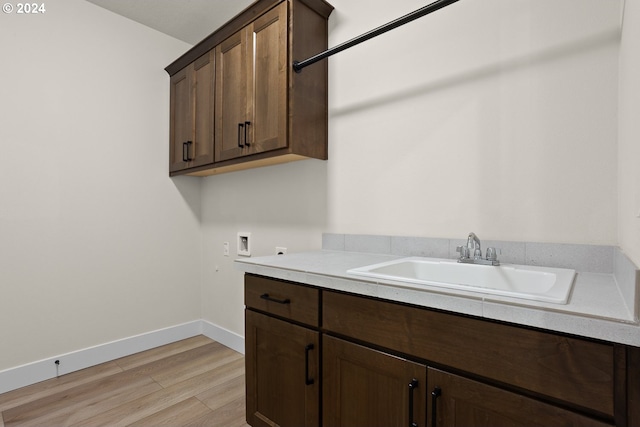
(194, 382)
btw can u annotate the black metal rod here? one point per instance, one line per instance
(432, 7)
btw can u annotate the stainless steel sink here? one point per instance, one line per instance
(512, 280)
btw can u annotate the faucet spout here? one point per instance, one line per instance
(473, 243)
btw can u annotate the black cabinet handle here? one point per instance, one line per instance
(185, 151)
(240, 132)
(307, 380)
(412, 386)
(279, 301)
(437, 392)
(246, 128)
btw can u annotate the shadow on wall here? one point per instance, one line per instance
(562, 51)
(291, 195)
(189, 188)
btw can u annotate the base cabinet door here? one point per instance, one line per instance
(363, 387)
(282, 373)
(458, 401)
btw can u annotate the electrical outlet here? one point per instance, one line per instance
(244, 243)
(280, 250)
(225, 249)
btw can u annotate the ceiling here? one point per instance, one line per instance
(186, 20)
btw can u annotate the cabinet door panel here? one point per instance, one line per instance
(181, 119)
(368, 388)
(204, 103)
(231, 98)
(468, 403)
(267, 93)
(278, 365)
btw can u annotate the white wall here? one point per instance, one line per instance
(629, 142)
(97, 243)
(284, 206)
(493, 116)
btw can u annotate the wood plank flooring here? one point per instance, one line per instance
(194, 382)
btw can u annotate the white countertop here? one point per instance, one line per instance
(596, 307)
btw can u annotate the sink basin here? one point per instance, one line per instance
(512, 280)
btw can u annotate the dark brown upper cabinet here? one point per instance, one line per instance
(191, 143)
(251, 83)
(257, 111)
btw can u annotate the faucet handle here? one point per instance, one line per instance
(463, 250)
(492, 254)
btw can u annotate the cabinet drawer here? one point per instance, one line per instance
(287, 300)
(576, 371)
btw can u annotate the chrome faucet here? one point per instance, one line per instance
(473, 243)
(472, 252)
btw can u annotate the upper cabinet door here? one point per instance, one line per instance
(231, 96)
(181, 120)
(251, 88)
(203, 75)
(192, 115)
(267, 89)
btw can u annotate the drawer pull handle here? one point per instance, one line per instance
(412, 386)
(307, 380)
(279, 301)
(437, 392)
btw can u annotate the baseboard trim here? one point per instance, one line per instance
(223, 336)
(31, 373)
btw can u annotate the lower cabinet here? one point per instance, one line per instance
(317, 357)
(283, 386)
